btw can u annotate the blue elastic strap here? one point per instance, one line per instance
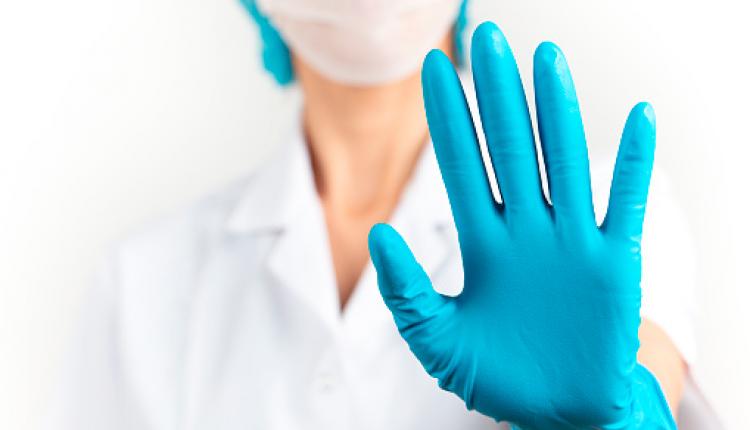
(275, 53)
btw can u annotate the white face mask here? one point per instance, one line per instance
(362, 42)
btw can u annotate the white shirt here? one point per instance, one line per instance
(226, 315)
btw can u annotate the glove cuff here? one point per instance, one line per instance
(648, 409)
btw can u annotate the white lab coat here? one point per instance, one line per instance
(225, 315)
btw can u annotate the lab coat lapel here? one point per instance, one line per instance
(300, 260)
(282, 202)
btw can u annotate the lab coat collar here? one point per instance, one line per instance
(281, 200)
(271, 196)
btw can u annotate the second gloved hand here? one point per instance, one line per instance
(545, 332)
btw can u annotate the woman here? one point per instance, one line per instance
(258, 308)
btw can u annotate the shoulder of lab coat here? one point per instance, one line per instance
(116, 377)
(669, 273)
(113, 375)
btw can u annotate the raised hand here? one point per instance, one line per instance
(545, 332)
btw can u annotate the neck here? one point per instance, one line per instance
(364, 141)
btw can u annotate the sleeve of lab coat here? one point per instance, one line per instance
(92, 392)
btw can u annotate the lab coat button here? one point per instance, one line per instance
(325, 382)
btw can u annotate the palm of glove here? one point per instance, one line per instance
(545, 324)
(544, 333)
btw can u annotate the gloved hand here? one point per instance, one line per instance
(545, 332)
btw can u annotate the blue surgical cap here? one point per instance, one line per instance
(275, 53)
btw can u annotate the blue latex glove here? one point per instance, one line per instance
(545, 332)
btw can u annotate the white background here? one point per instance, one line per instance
(112, 112)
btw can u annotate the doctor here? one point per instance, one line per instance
(258, 308)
